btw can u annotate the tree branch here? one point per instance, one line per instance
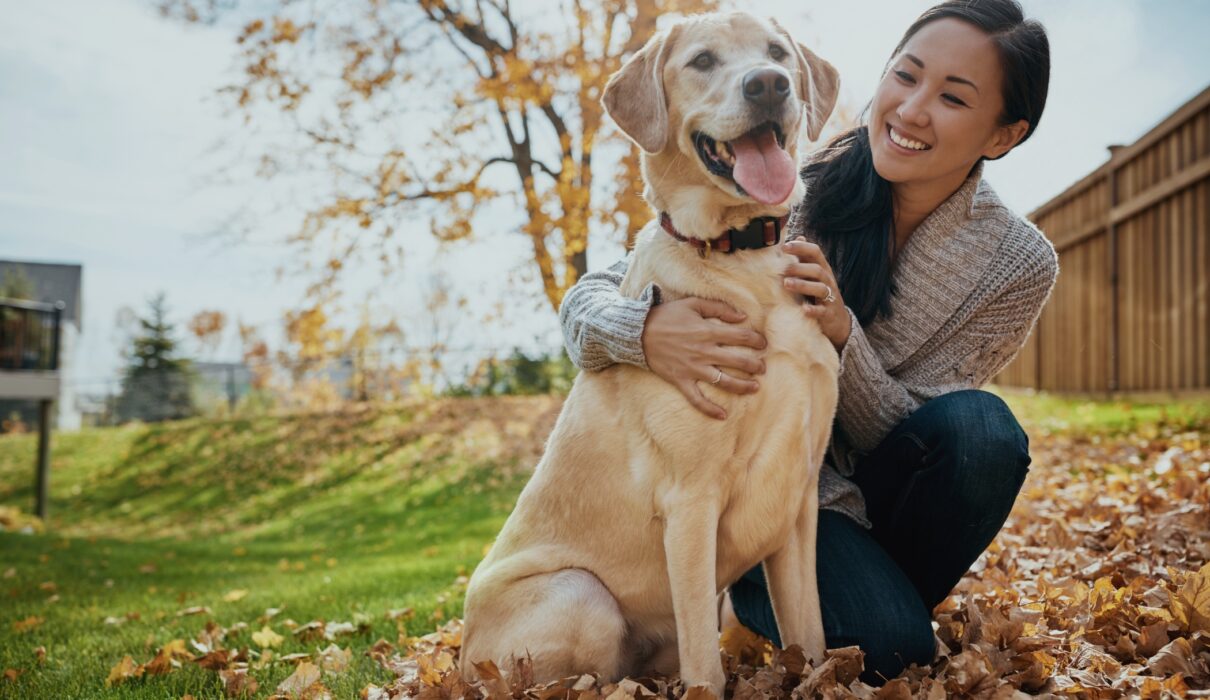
(475, 33)
(462, 187)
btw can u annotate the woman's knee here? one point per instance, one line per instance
(975, 416)
(979, 432)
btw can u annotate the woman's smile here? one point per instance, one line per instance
(904, 143)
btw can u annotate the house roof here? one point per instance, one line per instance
(52, 282)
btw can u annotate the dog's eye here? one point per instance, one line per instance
(703, 61)
(776, 52)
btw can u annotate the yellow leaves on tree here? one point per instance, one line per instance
(327, 364)
(313, 339)
(441, 108)
(255, 355)
(207, 327)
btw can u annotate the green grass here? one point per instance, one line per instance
(337, 517)
(1049, 414)
(334, 517)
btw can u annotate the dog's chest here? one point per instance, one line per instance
(766, 485)
(760, 459)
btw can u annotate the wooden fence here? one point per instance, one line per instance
(1131, 309)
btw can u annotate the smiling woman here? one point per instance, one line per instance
(966, 83)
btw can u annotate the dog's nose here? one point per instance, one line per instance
(766, 87)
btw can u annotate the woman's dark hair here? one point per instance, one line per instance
(850, 210)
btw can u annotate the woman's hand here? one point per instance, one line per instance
(683, 345)
(812, 277)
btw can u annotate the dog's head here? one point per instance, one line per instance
(731, 92)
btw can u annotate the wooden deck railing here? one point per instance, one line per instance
(29, 335)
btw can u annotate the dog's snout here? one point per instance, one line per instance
(767, 87)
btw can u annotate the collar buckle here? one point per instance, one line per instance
(761, 232)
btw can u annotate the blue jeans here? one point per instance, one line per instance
(937, 490)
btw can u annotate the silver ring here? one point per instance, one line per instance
(830, 297)
(719, 377)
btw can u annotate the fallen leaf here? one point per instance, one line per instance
(304, 676)
(311, 631)
(1190, 604)
(333, 659)
(237, 682)
(195, 610)
(123, 671)
(336, 629)
(30, 623)
(267, 638)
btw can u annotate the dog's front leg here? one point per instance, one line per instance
(690, 546)
(793, 586)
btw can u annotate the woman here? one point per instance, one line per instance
(927, 286)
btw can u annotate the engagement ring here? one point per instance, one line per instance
(718, 378)
(830, 297)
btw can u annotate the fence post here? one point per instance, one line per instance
(58, 321)
(42, 491)
(1112, 233)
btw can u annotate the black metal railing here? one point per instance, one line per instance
(29, 335)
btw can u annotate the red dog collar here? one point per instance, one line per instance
(761, 232)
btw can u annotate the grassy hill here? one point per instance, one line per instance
(369, 516)
(332, 517)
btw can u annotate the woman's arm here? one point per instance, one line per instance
(872, 402)
(600, 326)
(683, 341)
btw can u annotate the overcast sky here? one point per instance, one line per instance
(108, 123)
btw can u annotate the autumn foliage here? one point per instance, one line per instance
(1098, 587)
(434, 110)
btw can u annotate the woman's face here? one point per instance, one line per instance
(937, 109)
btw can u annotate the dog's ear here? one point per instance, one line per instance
(818, 85)
(635, 97)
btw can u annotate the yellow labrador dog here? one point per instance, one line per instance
(642, 509)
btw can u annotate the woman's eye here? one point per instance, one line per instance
(703, 61)
(953, 100)
(776, 52)
(905, 76)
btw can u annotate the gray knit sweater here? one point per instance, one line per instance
(971, 283)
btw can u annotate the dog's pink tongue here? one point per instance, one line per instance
(764, 169)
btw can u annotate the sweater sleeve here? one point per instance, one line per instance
(872, 401)
(601, 326)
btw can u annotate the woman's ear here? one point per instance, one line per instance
(1005, 139)
(635, 97)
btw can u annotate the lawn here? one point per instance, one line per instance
(367, 522)
(155, 530)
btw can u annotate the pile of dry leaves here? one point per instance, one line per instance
(1098, 587)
